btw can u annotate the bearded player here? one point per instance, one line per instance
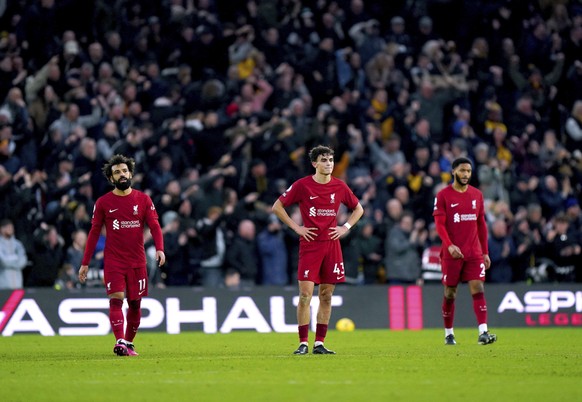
(319, 197)
(460, 222)
(123, 211)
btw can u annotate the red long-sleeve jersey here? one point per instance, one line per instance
(460, 220)
(124, 218)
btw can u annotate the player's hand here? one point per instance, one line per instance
(337, 232)
(308, 234)
(455, 252)
(160, 258)
(487, 261)
(83, 273)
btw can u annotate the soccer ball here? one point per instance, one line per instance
(345, 325)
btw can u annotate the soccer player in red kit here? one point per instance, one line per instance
(460, 222)
(123, 211)
(319, 197)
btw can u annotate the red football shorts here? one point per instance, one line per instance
(459, 270)
(321, 262)
(132, 281)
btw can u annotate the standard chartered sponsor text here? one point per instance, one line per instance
(326, 212)
(468, 217)
(129, 224)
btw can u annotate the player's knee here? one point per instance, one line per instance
(304, 299)
(450, 293)
(476, 287)
(117, 295)
(115, 304)
(134, 304)
(325, 298)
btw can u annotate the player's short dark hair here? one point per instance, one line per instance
(319, 150)
(460, 161)
(118, 159)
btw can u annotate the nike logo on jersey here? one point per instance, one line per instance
(454, 205)
(141, 292)
(340, 277)
(312, 197)
(113, 210)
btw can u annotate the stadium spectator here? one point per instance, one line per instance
(431, 270)
(175, 269)
(108, 141)
(73, 259)
(501, 252)
(385, 156)
(367, 39)
(212, 246)
(315, 232)
(573, 139)
(572, 207)
(523, 192)
(563, 249)
(161, 174)
(48, 256)
(272, 253)
(350, 251)
(387, 217)
(537, 86)
(551, 197)
(573, 79)
(370, 252)
(71, 118)
(402, 250)
(350, 70)
(399, 36)
(13, 257)
(527, 249)
(242, 254)
(525, 119)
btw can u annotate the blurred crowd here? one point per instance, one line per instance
(220, 101)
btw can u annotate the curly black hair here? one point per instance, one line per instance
(117, 160)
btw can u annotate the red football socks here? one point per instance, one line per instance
(304, 333)
(116, 317)
(480, 307)
(448, 310)
(320, 332)
(133, 319)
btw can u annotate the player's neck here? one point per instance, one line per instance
(122, 193)
(322, 178)
(460, 187)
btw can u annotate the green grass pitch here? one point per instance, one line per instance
(371, 365)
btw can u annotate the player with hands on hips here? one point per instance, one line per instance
(319, 197)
